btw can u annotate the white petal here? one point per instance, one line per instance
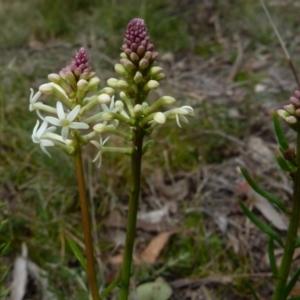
(60, 111)
(73, 114)
(53, 121)
(35, 128)
(46, 143)
(183, 118)
(42, 129)
(50, 129)
(64, 132)
(177, 121)
(79, 125)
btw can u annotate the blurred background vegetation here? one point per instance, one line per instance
(38, 195)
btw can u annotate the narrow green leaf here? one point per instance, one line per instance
(4, 248)
(252, 290)
(77, 252)
(295, 298)
(262, 192)
(297, 244)
(286, 165)
(291, 283)
(262, 226)
(272, 256)
(2, 224)
(284, 145)
(111, 286)
(3, 276)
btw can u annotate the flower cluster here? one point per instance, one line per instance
(141, 75)
(291, 112)
(71, 86)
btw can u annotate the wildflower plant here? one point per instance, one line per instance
(75, 121)
(289, 161)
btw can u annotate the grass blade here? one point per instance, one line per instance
(261, 225)
(77, 252)
(252, 290)
(262, 192)
(272, 256)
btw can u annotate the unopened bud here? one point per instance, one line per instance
(54, 78)
(140, 50)
(160, 118)
(290, 108)
(107, 116)
(123, 55)
(120, 70)
(282, 113)
(155, 71)
(138, 109)
(295, 101)
(99, 128)
(134, 57)
(138, 77)
(122, 85)
(104, 99)
(119, 104)
(93, 83)
(46, 89)
(291, 120)
(159, 77)
(143, 64)
(297, 112)
(82, 85)
(113, 82)
(69, 76)
(151, 85)
(108, 90)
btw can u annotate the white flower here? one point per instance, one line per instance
(38, 136)
(179, 113)
(111, 108)
(66, 122)
(99, 146)
(33, 99)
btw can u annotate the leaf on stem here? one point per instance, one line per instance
(271, 255)
(285, 165)
(280, 134)
(77, 252)
(262, 226)
(252, 290)
(262, 192)
(292, 283)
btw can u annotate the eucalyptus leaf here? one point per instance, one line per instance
(261, 225)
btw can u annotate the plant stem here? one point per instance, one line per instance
(291, 234)
(89, 250)
(136, 163)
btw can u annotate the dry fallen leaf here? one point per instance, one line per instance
(154, 248)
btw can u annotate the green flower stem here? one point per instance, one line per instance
(291, 235)
(136, 163)
(86, 223)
